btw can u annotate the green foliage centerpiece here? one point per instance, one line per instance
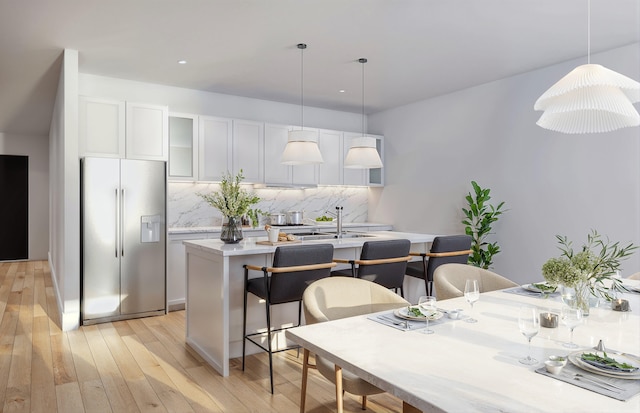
(233, 202)
(590, 270)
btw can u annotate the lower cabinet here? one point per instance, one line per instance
(176, 267)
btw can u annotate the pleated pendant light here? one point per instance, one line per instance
(590, 99)
(362, 152)
(302, 145)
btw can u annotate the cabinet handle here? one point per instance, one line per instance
(122, 224)
(117, 238)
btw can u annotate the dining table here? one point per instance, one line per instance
(475, 367)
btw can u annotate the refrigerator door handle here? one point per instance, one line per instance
(122, 221)
(117, 222)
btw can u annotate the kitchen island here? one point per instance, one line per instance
(215, 291)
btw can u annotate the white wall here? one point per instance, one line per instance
(37, 149)
(64, 179)
(552, 183)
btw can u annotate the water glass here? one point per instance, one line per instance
(427, 305)
(471, 294)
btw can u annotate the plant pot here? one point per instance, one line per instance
(231, 230)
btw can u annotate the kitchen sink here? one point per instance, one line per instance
(327, 235)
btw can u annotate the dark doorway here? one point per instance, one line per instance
(14, 207)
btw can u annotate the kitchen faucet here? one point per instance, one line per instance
(338, 215)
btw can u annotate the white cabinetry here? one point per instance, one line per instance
(118, 129)
(330, 144)
(183, 146)
(101, 128)
(248, 150)
(215, 135)
(275, 140)
(229, 145)
(147, 132)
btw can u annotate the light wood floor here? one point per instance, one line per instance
(140, 365)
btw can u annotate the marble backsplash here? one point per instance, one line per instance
(186, 209)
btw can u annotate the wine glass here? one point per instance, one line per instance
(471, 294)
(529, 323)
(571, 317)
(427, 306)
(568, 295)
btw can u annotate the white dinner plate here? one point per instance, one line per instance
(533, 288)
(621, 357)
(404, 313)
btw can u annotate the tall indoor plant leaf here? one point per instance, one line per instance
(479, 217)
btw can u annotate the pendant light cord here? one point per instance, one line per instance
(302, 46)
(588, 31)
(363, 61)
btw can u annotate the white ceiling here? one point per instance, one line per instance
(416, 48)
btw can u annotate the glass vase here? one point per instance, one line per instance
(231, 230)
(577, 296)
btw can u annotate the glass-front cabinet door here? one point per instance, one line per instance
(183, 147)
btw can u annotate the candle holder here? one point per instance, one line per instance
(549, 320)
(620, 305)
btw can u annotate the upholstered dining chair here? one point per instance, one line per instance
(449, 280)
(444, 250)
(383, 262)
(634, 276)
(294, 268)
(340, 297)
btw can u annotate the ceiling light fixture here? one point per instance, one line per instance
(363, 153)
(182, 62)
(590, 98)
(302, 145)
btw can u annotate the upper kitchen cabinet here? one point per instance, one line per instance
(183, 147)
(366, 177)
(147, 132)
(118, 129)
(102, 127)
(248, 150)
(275, 140)
(330, 144)
(214, 148)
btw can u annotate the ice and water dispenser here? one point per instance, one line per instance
(150, 228)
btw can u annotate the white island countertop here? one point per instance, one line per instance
(215, 290)
(249, 246)
(319, 226)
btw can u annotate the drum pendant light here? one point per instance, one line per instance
(590, 98)
(302, 146)
(363, 153)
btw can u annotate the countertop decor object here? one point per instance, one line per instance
(548, 320)
(620, 305)
(590, 271)
(233, 202)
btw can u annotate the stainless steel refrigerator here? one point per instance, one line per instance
(123, 221)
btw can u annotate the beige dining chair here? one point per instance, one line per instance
(340, 297)
(634, 276)
(449, 280)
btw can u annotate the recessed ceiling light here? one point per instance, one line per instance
(182, 62)
(341, 90)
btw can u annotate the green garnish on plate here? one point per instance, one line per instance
(414, 311)
(544, 287)
(607, 362)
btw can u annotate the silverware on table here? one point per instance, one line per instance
(602, 384)
(403, 324)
